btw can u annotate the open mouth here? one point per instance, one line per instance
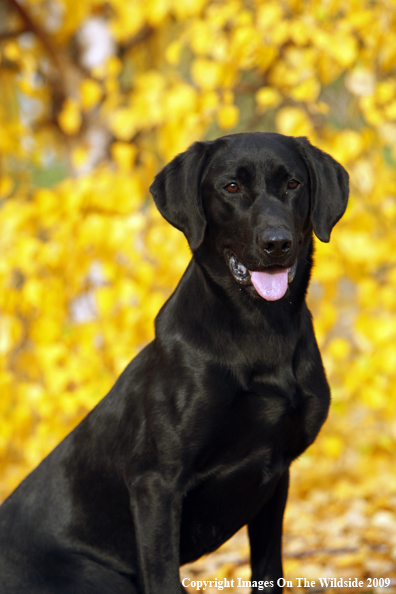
(271, 283)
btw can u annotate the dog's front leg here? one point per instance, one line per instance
(156, 511)
(265, 536)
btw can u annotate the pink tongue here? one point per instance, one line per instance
(271, 284)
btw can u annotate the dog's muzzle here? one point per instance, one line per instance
(271, 283)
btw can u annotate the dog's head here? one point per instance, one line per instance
(255, 198)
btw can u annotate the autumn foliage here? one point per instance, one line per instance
(94, 98)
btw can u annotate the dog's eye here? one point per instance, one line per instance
(292, 184)
(232, 188)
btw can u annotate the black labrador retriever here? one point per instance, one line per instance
(196, 437)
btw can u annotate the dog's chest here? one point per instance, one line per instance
(250, 446)
(263, 420)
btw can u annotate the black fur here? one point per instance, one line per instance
(196, 437)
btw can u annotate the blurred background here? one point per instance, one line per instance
(95, 97)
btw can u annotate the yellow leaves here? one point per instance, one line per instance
(124, 123)
(387, 54)
(360, 18)
(207, 74)
(228, 117)
(385, 91)
(199, 34)
(308, 90)
(11, 51)
(70, 118)
(332, 446)
(180, 99)
(380, 330)
(344, 52)
(124, 155)
(283, 75)
(363, 175)
(268, 15)
(93, 228)
(173, 52)
(363, 249)
(224, 14)
(325, 320)
(294, 121)
(360, 81)
(61, 385)
(208, 103)
(45, 330)
(150, 87)
(45, 200)
(339, 348)
(380, 105)
(243, 46)
(86, 264)
(295, 74)
(368, 291)
(145, 104)
(171, 106)
(175, 135)
(79, 157)
(11, 333)
(108, 71)
(267, 98)
(374, 397)
(105, 299)
(348, 146)
(105, 199)
(33, 292)
(390, 111)
(156, 10)
(266, 56)
(300, 31)
(6, 186)
(128, 20)
(91, 93)
(188, 8)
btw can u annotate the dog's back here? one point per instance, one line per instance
(196, 437)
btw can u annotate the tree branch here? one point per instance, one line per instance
(40, 34)
(12, 34)
(67, 73)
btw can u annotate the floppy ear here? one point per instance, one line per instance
(176, 192)
(329, 188)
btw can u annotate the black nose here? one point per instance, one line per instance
(276, 242)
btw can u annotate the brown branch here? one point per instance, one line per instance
(140, 37)
(66, 72)
(40, 34)
(12, 34)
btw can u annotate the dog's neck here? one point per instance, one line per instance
(208, 295)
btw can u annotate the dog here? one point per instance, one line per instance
(196, 437)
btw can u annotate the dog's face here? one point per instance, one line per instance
(255, 194)
(255, 198)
